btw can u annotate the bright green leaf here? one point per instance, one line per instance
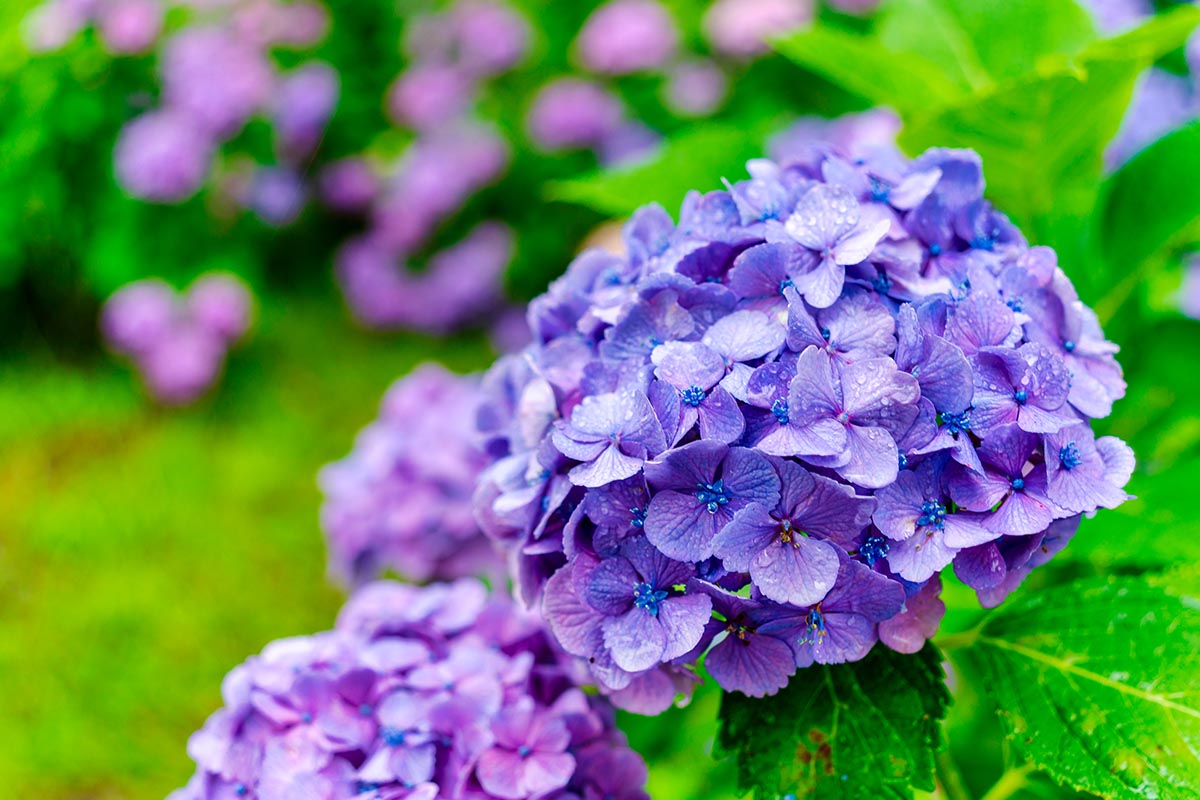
(1152, 203)
(1098, 684)
(697, 159)
(1042, 138)
(862, 730)
(860, 64)
(986, 41)
(1151, 40)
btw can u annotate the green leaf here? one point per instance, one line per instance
(862, 730)
(1098, 684)
(1042, 137)
(985, 41)
(1151, 40)
(697, 159)
(862, 65)
(1152, 203)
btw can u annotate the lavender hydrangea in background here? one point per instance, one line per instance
(419, 693)
(401, 501)
(178, 342)
(765, 430)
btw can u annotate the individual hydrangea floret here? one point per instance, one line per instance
(401, 500)
(765, 430)
(178, 341)
(416, 694)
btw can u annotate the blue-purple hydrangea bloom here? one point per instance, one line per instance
(401, 501)
(178, 341)
(417, 693)
(765, 430)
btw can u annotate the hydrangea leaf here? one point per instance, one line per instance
(866, 729)
(986, 40)
(1152, 204)
(904, 80)
(696, 159)
(1098, 684)
(1042, 138)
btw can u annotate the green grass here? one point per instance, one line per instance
(145, 552)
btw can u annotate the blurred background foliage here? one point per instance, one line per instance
(144, 552)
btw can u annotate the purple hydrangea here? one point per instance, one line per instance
(740, 28)
(178, 342)
(1189, 292)
(625, 36)
(401, 500)
(695, 88)
(219, 81)
(572, 113)
(417, 693)
(162, 157)
(130, 26)
(764, 430)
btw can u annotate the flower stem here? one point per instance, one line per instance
(950, 777)
(1011, 782)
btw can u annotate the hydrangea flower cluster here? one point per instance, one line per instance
(763, 432)
(452, 57)
(178, 342)
(217, 73)
(124, 27)
(417, 693)
(401, 500)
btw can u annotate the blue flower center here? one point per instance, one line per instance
(392, 737)
(873, 549)
(692, 396)
(240, 790)
(903, 460)
(956, 423)
(1016, 304)
(366, 710)
(639, 517)
(1021, 396)
(935, 249)
(933, 514)
(306, 717)
(825, 334)
(780, 410)
(815, 622)
(1018, 484)
(785, 283)
(645, 596)
(1070, 456)
(524, 751)
(713, 495)
(983, 242)
(364, 787)
(1069, 346)
(879, 191)
(882, 283)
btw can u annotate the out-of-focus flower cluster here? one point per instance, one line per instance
(440, 692)
(763, 432)
(217, 74)
(452, 56)
(178, 341)
(401, 500)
